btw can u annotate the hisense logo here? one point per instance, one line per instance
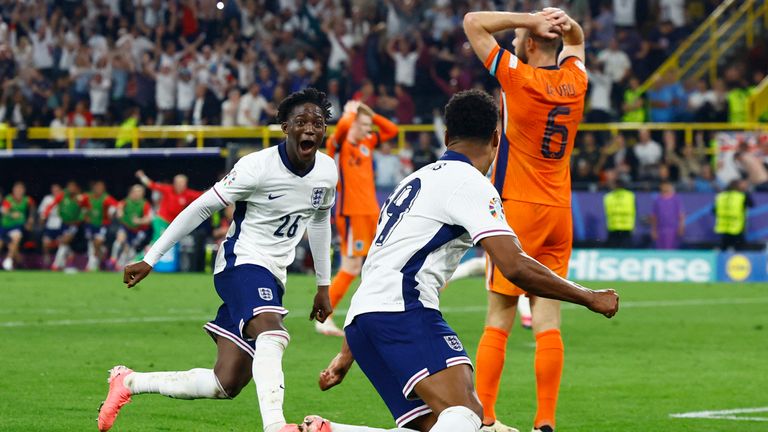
(640, 266)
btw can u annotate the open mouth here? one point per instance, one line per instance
(306, 146)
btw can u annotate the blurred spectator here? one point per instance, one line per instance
(230, 109)
(730, 211)
(753, 168)
(634, 103)
(648, 153)
(619, 161)
(604, 26)
(666, 98)
(388, 167)
(406, 109)
(600, 86)
(668, 218)
(423, 153)
(405, 58)
(705, 181)
(619, 205)
(334, 97)
(204, 108)
(253, 107)
(99, 96)
(586, 163)
(673, 11)
(617, 66)
(624, 13)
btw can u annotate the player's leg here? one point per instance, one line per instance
(62, 254)
(524, 310)
(471, 267)
(48, 245)
(549, 359)
(492, 348)
(121, 240)
(451, 395)
(14, 241)
(224, 381)
(271, 341)
(351, 265)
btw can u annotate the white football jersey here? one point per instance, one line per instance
(425, 227)
(273, 204)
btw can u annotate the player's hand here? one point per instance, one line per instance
(544, 27)
(321, 309)
(334, 374)
(140, 174)
(558, 18)
(135, 272)
(604, 302)
(351, 106)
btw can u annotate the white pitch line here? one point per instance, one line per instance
(301, 313)
(725, 414)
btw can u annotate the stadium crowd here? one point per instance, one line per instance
(92, 63)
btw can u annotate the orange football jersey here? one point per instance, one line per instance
(541, 109)
(356, 190)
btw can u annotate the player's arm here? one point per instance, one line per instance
(230, 189)
(5, 207)
(319, 233)
(535, 278)
(147, 217)
(480, 27)
(387, 129)
(56, 200)
(469, 207)
(340, 133)
(337, 370)
(30, 214)
(573, 35)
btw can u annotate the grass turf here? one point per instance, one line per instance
(672, 349)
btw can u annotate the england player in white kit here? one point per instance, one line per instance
(394, 328)
(278, 193)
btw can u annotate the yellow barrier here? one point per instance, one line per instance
(722, 36)
(264, 135)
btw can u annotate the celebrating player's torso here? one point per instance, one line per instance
(541, 110)
(272, 206)
(426, 226)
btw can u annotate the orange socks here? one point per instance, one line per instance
(339, 287)
(491, 352)
(549, 368)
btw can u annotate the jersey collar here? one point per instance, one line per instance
(451, 155)
(287, 162)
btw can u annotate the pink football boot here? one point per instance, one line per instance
(118, 396)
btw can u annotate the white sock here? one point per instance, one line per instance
(457, 419)
(473, 267)
(524, 306)
(116, 248)
(191, 384)
(268, 377)
(338, 427)
(61, 256)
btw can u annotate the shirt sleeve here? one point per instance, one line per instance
(477, 207)
(189, 219)
(319, 233)
(239, 184)
(507, 68)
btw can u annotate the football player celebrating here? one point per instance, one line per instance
(279, 193)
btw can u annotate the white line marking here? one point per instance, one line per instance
(725, 414)
(300, 313)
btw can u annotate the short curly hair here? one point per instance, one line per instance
(308, 95)
(471, 114)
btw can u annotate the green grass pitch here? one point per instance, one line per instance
(672, 349)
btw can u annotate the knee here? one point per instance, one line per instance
(231, 386)
(264, 322)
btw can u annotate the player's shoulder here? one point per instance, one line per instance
(326, 166)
